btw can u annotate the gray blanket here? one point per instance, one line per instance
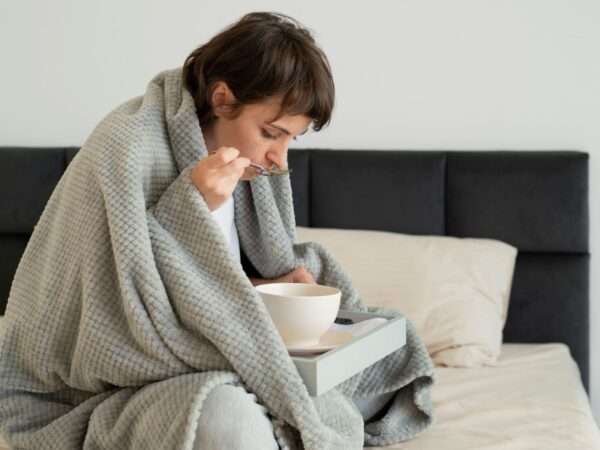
(127, 308)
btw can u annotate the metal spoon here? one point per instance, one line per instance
(270, 172)
(264, 171)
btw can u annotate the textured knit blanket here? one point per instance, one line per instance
(127, 307)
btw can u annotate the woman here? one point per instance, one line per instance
(257, 85)
(132, 320)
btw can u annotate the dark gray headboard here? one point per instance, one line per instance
(536, 201)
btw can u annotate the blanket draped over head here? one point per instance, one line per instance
(127, 307)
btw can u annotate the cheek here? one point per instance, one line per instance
(254, 148)
(241, 136)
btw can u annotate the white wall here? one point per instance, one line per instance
(466, 74)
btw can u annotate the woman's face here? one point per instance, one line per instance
(253, 132)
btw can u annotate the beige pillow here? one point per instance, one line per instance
(454, 290)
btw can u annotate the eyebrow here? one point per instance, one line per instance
(284, 130)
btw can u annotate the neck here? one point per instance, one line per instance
(208, 135)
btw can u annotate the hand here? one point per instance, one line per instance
(298, 275)
(216, 176)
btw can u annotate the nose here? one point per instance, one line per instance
(277, 157)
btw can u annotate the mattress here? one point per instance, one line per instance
(532, 399)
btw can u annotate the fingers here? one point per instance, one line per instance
(298, 275)
(225, 156)
(222, 157)
(225, 165)
(217, 175)
(301, 275)
(235, 168)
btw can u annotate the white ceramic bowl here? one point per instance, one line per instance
(301, 312)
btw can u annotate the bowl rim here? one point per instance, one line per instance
(329, 291)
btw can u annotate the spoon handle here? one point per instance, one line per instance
(262, 170)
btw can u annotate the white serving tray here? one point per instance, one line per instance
(324, 371)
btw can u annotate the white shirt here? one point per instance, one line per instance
(224, 215)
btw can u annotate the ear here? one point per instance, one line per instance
(221, 97)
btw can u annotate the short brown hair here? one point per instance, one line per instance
(261, 56)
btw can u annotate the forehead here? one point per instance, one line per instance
(266, 112)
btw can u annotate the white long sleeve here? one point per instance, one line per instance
(224, 215)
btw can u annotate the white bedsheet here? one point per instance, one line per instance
(533, 399)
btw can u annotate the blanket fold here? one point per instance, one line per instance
(127, 307)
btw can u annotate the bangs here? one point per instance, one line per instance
(306, 89)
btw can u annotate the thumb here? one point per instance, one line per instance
(304, 276)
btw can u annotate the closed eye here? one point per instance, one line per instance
(270, 136)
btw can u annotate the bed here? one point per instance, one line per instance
(537, 201)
